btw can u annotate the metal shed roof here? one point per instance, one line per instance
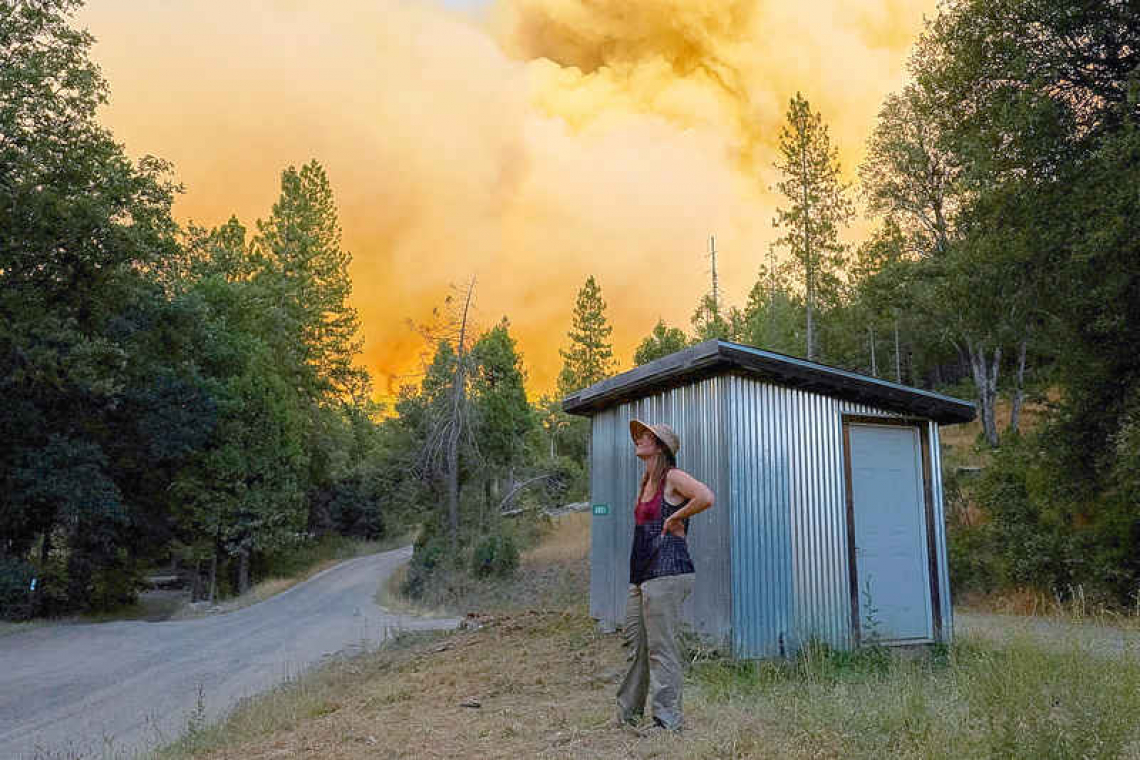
(716, 356)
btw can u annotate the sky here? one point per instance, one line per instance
(527, 144)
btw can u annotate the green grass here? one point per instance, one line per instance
(967, 700)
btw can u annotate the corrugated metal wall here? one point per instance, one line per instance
(772, 555)
(695, 412)
(940, 535)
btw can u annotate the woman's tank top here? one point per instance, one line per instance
(654, 555)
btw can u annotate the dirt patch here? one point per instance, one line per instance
(541, 682)
(530, 677)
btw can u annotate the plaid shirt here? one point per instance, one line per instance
(654, 555)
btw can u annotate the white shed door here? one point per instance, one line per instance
(889, 515)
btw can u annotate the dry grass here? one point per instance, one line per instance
(267, 588)
(1075, 607)
(962, 437)
(569, 541)
(539, 680)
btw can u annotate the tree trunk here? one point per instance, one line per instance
(810, 327)
(1019, 387)
(487, 500)
(458, 402)
(45, 547)
(985, 381)
(243, 570)
(214, 575)
(874, 365)
(45, 555)
(898, 362)
(196, 581)
(453, 490)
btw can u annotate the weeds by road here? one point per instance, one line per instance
(536, 679)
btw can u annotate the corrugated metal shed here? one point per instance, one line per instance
(775, 556)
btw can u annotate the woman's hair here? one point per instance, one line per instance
(656, 467)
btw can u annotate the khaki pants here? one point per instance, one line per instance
(652, 622)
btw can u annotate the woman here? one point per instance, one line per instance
(660, 577)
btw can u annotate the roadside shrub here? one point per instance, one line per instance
(974, 562)
(497, 555)
(428, 554)
(101, 582)
(1035, 528)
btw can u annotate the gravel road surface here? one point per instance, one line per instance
(113, 690)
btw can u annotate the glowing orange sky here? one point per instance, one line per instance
(530, 143)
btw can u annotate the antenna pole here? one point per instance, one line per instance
(715, 284)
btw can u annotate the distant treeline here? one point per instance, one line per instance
(188, 396)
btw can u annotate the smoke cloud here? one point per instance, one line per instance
(528, 143)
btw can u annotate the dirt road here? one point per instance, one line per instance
(115, 689)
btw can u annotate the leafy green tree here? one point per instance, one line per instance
(223, 251)
(818, 209)
(504, 421)
(774, 315)
(166, 391)
(75, 213)
(664, 340)
(886, 302)
(909, 177)
(81, 225)
(503, 416)
(961, 198)
(1036, 105)
(589, 358)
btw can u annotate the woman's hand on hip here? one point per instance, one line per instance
(674, 526)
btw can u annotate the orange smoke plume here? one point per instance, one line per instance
(530, 142)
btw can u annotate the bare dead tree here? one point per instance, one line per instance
(451, 422)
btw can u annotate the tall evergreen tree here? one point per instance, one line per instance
(590, 357)
(301, 243)
(818, 208)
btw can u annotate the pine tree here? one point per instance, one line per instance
(819, 207)
(301, 244)
(590, 357)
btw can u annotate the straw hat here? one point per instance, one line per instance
(663, 432)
